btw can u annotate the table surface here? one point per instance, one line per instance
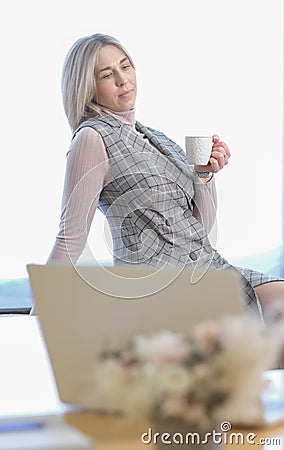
(113, 433)
(27, 387)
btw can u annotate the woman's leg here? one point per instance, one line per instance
(270, 294)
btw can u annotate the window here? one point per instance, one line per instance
(202, 66)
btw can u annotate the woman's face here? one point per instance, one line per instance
(115, 80)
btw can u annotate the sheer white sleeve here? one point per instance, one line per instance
(205, 203)
(87, 170)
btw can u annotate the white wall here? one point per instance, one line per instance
(204, 66)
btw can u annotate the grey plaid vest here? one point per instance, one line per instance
(149, 202)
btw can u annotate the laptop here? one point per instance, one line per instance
(84, 311)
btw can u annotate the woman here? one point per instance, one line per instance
(159, 208)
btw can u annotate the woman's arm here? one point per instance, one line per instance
(205, 197)
(205, 203)
(87, 170)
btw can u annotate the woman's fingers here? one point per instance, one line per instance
(219, 156)
(221, 147)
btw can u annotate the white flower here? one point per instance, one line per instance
(207, 335)
(163, 348)
(212, 374)
(174, 380)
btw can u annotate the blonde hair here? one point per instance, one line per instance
(78, 84)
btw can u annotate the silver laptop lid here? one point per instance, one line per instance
(81, 316)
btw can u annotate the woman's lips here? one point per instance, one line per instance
(126, 94)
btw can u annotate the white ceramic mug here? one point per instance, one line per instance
(198, 149)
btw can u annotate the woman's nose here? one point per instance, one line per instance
(121, 79)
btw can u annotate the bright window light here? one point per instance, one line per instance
(202, 66)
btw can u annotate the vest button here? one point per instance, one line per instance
(208, 249)
(169, 221)
(193, 256)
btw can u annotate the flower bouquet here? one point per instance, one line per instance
(212, 374)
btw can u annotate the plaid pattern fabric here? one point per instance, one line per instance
(149, 204)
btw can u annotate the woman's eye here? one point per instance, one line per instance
(125, 66)
(107, 75)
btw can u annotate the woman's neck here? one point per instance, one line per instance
(127, 117)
